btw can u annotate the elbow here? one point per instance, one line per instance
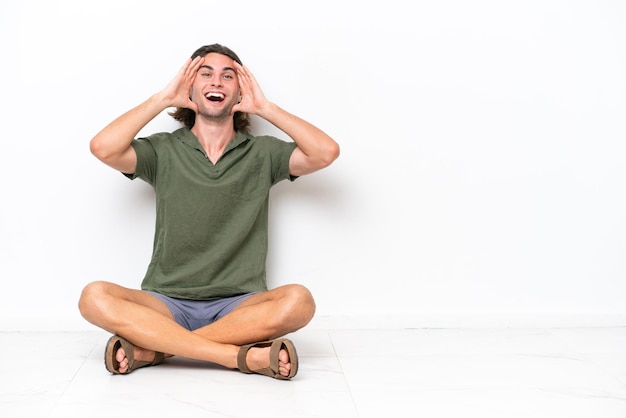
(334, 151)
(331, 154)
(123, 160)
(101, 150)
(96, 148)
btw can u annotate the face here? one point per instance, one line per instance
(216, 88)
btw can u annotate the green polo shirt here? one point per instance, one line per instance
(211, 227)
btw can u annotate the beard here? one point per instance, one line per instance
(216, 113)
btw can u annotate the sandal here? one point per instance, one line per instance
(272, 371)
(112, 365)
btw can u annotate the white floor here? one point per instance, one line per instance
(431, 373)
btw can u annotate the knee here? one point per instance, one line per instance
(91, 299)
(300, 304)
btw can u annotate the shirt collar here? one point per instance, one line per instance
(188, 138)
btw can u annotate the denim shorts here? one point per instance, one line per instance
(194, 314)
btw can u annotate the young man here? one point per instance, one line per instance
(204, 295)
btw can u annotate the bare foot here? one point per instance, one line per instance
(140, 354)
(259, 358)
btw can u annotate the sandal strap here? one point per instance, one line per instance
(115, 343)
(275, 347)
(158, 358)
(241, 358)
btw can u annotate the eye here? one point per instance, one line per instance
(228, 76)
(205, 74)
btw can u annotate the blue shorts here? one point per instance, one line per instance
(194, 314)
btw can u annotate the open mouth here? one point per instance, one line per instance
(215, 97)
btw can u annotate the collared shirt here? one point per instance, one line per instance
(211, 227)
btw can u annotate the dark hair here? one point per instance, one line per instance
(241, 120)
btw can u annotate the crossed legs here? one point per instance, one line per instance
(145, 321)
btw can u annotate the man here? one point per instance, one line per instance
(204, 295)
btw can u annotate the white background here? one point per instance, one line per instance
(481, 180)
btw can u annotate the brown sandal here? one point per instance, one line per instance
(112, 365)
(272, 371)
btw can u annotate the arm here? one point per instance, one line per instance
(112, 144)
(316, 150)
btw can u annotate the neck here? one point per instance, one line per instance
(213, 136)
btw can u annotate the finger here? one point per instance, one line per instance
(247, 74)
(243, 75)
(193, 67)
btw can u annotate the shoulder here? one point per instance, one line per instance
(160, 137)
(164, 140)
(270, 142)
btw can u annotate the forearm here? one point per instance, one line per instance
(113, 141)
(319, 148)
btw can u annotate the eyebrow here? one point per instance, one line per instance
(208, 67)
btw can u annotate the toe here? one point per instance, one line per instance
(284, 365)
(120, 355)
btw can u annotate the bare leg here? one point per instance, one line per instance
(146, 322)
(263, 316)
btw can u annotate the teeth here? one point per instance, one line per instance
(219, 95)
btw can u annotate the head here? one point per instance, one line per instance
(241, 121)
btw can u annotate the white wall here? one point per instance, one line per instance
(481, 180)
